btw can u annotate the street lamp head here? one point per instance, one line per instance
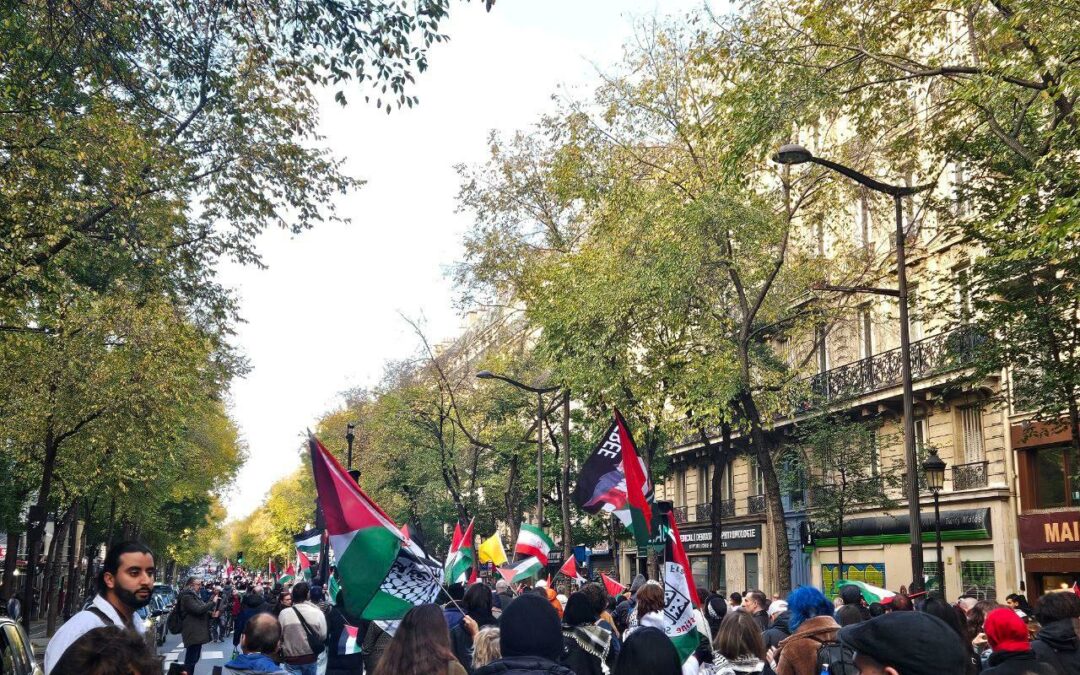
(792, 154)
(485, 375)
(934, 470)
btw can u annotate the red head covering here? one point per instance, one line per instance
(1006, 631)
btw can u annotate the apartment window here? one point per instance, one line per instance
(1057, 477)
(757, 480)
(922, 432)
(680, 487)
(727, 482)
(704, 490)
(972, 433)
(875, 455)
(751, 561)
(699, 567)
(866, 333)
(978, 578)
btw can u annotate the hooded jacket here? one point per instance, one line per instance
(1058, 645)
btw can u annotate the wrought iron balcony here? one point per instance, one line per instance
(929, 356)
(681, 514)
(727, 510)
(968, 476)
(755, 504)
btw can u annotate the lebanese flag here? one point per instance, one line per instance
(304, 564)
(533, 541)
(569, 569)
(365, 541)
(614, 588)
(460, 558)
(680, 595)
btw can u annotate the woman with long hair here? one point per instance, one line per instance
(738, 647)
(421, 646)
(650, 608)
(587, 647)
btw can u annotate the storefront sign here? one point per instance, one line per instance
(733, 537)
(959, 525)
(1058, 531)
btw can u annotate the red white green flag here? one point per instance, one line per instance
(460, 558)
(304, 565)
(382, 577)
(288, 576)
(680, 595)
(532, 540)
(569, 569)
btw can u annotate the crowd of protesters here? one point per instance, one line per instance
(582, 630)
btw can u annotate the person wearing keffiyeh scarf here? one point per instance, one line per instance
(738, 648)
(587, 647)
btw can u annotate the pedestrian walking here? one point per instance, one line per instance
(530, 640)
(253, 603)
(303, 629)
(1056, 642)
(1011, 652)
(194, 621)
(421, 646)
(124, 585)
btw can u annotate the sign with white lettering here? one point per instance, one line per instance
(733, 537)
(1044, 532)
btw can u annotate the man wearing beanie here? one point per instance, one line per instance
(530, 639)
(1008, 638)
(904, 643)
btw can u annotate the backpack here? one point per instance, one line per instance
(835, 659)
(174, 623)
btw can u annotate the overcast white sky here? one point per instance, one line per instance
(325, 316)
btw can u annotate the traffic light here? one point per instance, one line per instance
(240, 558)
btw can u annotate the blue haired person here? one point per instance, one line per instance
(811, 624)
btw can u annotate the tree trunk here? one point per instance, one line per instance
(774, 505)
(716, 518)
(568, 532)
(511, 499)
(78, 545)
(38, 517)
(10, 566)
(55, 578)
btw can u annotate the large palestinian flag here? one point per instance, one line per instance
(613, 480)
(309, 543)
(304, 565)
(381, 578)
(680, 595)
(532, 540)
(288, 576)
(460, 558)
(527, 568)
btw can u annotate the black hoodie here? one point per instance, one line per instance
(779, 629)
(1058, 645)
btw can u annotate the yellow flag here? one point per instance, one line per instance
(491, 550)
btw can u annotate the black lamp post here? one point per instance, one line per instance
(350, 436)
(796, 154)
(539, 391)
(934, 470)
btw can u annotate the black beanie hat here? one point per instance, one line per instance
(529, 626)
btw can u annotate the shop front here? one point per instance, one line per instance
(740, 561)
(1050, 546)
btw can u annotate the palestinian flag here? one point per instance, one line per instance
(309, 543)
(680, 596)
(614, 588)
(569, 569)
(460, 558)
(364, 539)
(870, 593)
(304, 565)
(533, 541)
(614, 480)
(349, 642)
(332, 589)
(527, 568)
(288, 576)
(413, 579)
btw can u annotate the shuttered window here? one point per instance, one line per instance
(972, 433)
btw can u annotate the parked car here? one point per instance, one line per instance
(16, 654)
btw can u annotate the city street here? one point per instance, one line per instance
(213, 654)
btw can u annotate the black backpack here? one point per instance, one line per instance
(839, 659)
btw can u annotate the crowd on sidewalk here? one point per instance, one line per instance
(481, 630)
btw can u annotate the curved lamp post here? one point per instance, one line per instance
(934, 470)
(797, 154)
(539, 391)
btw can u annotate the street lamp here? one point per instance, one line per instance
(934, 470)
(539, 391)
(797, 154)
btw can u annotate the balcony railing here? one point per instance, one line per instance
(928, 356)
(727, 510)
(755, 504)
(680, 513)
(968, 476)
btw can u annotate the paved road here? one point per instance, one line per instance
(213, 654)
